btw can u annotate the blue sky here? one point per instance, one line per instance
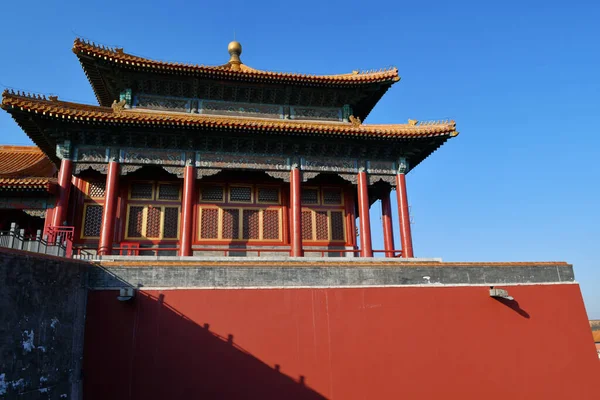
(521, 181)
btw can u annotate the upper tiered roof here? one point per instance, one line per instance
(111, 70)
(233, 70)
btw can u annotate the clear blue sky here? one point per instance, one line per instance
(521, 181)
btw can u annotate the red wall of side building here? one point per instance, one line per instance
(357, 343)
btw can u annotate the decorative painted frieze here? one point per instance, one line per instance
(329, 165)
(283, 175)
(24, 203)
(403, 165)
(224, 161)
(315, 113)
(91, 154)
(178, 171)
(235, 108)
(36, 212)
(240, 109)
(163, 103)
(203, 172)
(390, 179)
(381, 167)
(80, 167)
(125, 95)
(157, 157)
(63, 150)
(127, 169)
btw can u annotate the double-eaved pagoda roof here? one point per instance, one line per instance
(314, 107)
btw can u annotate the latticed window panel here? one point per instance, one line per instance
(250, 224)
(141, 190)
(96, 189)
(209, 223)
(310, 196)
(268, 195)
(136, 221)
(168, 191)
(337, 225)
(171, 223)
(93, 221)
(153, 222)
(231, 223)
(241, 194)
(211, 193)
(322, 225)
(332, 196)
(271, 224)
(307, 225)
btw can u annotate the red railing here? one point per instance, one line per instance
(60, 234)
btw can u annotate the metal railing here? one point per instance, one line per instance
(57, 243)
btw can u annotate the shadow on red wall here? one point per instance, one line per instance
(168, 356)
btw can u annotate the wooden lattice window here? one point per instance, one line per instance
(323, 225)
(135, 222)
(169, 191)
(92, 221)
(209, 223)
(268, 195)
(310, 195)
(240, 224)
(250, 222)
(212, 193)
(332, 196)
(231, 223)
(240, 194)
(96, 189)
(307, 225)
(337, 226)
(141, 191)
(171, 223)
(271, 224)
(152, 222)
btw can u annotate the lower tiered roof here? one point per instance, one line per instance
(26, 168)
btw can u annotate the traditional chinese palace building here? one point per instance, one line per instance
(218, 217)
(186, 157)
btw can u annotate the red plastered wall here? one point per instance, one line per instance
(371, 343)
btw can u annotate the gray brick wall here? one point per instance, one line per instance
(42, 314)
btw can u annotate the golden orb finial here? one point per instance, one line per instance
(234, 49)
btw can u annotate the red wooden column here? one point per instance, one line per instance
(366, 249)
(187, 211)
(403, 216)
(386, 220)
(64, 188)
(296, 214)
(107, 231)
